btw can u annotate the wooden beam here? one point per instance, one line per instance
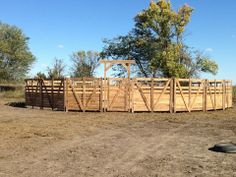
(117, 61)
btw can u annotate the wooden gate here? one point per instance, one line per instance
(189, 94)
(151, 94)
(117, 94)
(84, 94)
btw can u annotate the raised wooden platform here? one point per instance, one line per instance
(129, 95)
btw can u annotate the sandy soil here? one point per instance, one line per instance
(45, 143)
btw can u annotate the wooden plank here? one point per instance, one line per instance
(181, 93)
(132, 95)
(205, 95)
(79, 103)
(84, 90)
(163, 91)
(117, 61)
(198, 92)
(41, 94)
(212, 102)
(101, 95)
(52, 93)
(152, 95)
(92, 94)
(174, 95)
(223, 94)
(215, 95)
(143, 96)
(110, 106)
(171, 100)
(47, 94)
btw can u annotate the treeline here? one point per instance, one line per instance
(83, 65)
(155, 43)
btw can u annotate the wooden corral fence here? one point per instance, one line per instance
(129, 95)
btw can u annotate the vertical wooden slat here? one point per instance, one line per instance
(171, 101)
(152, 95)
(101, 95)
(132, 96)
(214, 94)
(52, 92)
(126, 94)
(64, 94)
(223, 94)
(190, 94)
(205, 95)
(174, 96)
(107, 94)
(84, 92)
(32, 93)
(129, 95)
(41, 93)
(67, 94)
(226, 94)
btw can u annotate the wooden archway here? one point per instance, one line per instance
(109, 63)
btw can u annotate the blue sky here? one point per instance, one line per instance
(57, 28)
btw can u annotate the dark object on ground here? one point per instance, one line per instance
(224, 147)
(17, 104)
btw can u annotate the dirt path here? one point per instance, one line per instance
(44, 143)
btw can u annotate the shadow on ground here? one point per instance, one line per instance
(17, 104)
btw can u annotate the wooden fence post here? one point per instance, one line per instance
(84, 91)
(174, 95)
(171, 101)
(52, 92)
(223, 94)
(214, 94)
(67, 94)
(190, 94)
(205, 95)
(132, 96)
(41, 93)
(101, 95)
(64, 93)
(152, 95)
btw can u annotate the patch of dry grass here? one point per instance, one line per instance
(12, 95)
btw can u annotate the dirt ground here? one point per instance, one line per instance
(44, 143)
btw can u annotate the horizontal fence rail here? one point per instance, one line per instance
(129, 95)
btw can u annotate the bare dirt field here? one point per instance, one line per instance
(45, 143)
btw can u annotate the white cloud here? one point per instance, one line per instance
(208, 50)
(60, 46)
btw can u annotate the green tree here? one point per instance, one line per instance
(15, 55)
(84, 63)
(40, 75)
(57, 70)
(156, 44)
